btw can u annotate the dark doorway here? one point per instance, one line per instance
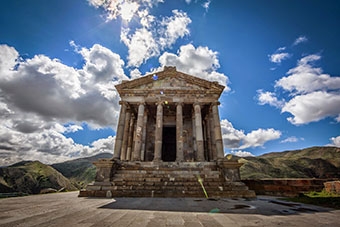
(169, 144)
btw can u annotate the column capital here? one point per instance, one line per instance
(179, 104)
(197, 103)
(217, 103)
(123, 103)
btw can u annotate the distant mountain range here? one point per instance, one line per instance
(314, 162)
(33, 176)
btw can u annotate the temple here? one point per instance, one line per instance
(168, 142)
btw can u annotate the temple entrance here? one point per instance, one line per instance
(169, 144)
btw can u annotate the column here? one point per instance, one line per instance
(179, 132)
(130, 139)
(212, 133)
(120, 131)
(138, 133)
(126, 135)
(145, 121)
(158, 133)
(199, 132)
(194, 145)
(208, 133)
(217, 131)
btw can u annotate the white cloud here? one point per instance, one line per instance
(312, 107)
(148, 41)
(301, 39)
(141, 46)
(266, 97)
(291, 139)
(335, 141)
(305, 78)
(241, 153)
(237, 139)
(201, 62)
(38, 96)
(206, 5)
(313, 95)
(279, 57)
(175, 27)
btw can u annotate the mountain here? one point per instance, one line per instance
(80, 171)
(314, 162)
(31, 177)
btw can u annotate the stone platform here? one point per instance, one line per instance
(167, 179)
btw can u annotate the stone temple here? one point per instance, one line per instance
(168, 142)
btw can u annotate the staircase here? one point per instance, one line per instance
(169, 179)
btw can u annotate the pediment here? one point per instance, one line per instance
(171, 80)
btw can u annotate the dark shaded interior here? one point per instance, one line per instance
(169, 144)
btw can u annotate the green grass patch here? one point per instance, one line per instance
(318, 198)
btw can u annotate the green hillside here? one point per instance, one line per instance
(314, 162)
(31, 177)
(80, 171)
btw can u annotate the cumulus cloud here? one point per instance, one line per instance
(201, 62)
(279, 55)
(291, 139)
(152, 36)
(266, 97)
(335, 141)
(241, 153)
(312, 94)
(300, 39)
(237, 139)
(148, 41)
(38, 96)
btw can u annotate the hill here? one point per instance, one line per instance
(31, 177)
(80, 171)
(314, 162)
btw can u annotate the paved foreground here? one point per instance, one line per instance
(66, 209)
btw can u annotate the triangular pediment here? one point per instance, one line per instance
(171, 80)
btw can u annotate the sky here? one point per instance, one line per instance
(60, 61)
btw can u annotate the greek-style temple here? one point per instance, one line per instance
(168, 142)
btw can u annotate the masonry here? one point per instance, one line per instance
(168, 140)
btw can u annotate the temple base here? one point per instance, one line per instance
(167, 179)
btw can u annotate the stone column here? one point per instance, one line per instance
(212, 135)
(199, 132)
(158, 133)
(208, 131)
(126, 135)
(139, 133)
(145, 121)
(217, 131)
(130, 139)
(194, 145)
(179, 132)
(120, 131)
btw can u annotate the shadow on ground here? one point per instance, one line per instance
(263, 206)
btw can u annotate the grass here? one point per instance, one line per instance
(318, 198)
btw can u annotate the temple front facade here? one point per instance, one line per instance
(168, 142)
(169, 116)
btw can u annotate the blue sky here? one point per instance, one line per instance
(60, 60)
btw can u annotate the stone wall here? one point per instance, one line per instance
(332, 187)
(285, 187)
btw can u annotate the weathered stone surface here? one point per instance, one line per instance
(332, 187)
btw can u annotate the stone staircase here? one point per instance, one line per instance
(168, 179)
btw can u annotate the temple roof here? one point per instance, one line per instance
(169, 81)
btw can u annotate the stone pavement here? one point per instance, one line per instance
(66, 209)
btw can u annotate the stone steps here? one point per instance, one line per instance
(168, 180)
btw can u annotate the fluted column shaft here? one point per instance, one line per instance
(139, 133)
(199, 132)
(126, 135)
(217, 131)
(159, 133)
(120, 131)
(179, 132)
